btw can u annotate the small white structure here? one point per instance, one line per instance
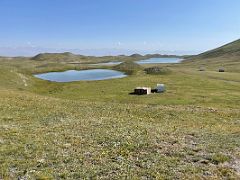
(160, 88)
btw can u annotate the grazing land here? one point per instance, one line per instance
(82, 130)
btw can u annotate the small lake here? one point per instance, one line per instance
(108, 63)
(82, 75)
(147, 61)
(159, 60)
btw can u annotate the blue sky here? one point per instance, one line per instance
(117, 26)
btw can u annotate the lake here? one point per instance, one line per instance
(82, 75)
(108, 63)
(159, 60)
(146, 61)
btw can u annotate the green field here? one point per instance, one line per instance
(96, 130)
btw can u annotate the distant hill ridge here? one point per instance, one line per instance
(56, 56)
(227, 57)
(67, 56)
(229, 50)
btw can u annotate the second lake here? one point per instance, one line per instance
(159, 61)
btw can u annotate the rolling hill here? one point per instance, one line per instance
(70, 57)
(97, 130)
(227, 56)
(229, 50)
(67, 56)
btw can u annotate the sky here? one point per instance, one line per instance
(105, 27)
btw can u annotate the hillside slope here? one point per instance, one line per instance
(228, 50)
(227, 56)
(57, 57)
(70, 57)
(128, 67)
(96, 130)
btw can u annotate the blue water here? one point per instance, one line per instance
(108, 63)
(83, 75)
(147, 61)
(159, 60)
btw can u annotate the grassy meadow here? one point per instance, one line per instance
(96, 130)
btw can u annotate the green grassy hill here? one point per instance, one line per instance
(70, 57)
(67, 56)
(129, 67)
(96, 130)
(228, 50)
(227, 56)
